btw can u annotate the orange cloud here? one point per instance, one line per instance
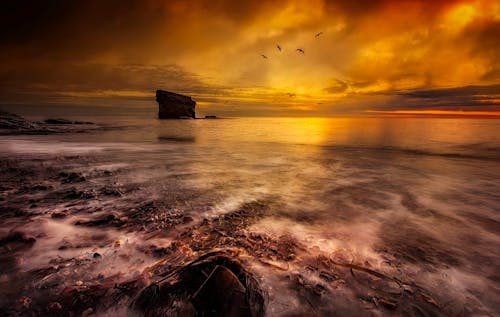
(368, 52)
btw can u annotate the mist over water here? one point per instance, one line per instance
(417, 199)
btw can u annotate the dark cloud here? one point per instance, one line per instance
(485, 39)
(73, 79)
(473, 97)
(133, 29)
(338, 87)
(72, 29)
(466, 91)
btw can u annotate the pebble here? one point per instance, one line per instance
(54, 306)
(88, 311)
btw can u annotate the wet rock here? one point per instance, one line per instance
(319, 289)
(71, 178)
(65, 245)
(13, 124)
(17, 237)
(174, 106)
(76, 194)
(159, 252)
(213, 285)
(65, 121)
(59, 214)
(12, 212)
(107, 191)
(87, 312)
(57, 121)
(326, 276)
(4, 188)
(388, 304)
(109, 220)
(147, 298)
(73, 194)
(222, 294)
(39, 187)
(24, 302)
(177, 139)
(12, 121)
(82, 300)
(54, 306)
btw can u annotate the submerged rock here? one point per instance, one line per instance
(17, 237)
(13, 124)
(65, 121)
(174, 106)
(71, 177)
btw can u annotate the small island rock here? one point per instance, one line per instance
(174, 106)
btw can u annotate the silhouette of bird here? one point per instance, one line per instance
(300, 50)
(263, 56)
(318, 34)
(279, 47)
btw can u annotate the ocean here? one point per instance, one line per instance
(416, 199)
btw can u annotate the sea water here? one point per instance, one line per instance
(416, 196)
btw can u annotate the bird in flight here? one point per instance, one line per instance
(300, 50)
(318, 34)
(263, 56)
(279, 47)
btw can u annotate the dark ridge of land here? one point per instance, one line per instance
(12, 124)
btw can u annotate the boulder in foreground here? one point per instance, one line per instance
(174, 106)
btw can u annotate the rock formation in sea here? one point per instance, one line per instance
(174, 106)
(10, 121)
(11, 124)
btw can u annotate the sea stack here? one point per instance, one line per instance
(174, 106)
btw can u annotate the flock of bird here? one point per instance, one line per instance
(298, 50)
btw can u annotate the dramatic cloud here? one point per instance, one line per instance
(369, 55)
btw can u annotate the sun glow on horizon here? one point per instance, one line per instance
(428, 112)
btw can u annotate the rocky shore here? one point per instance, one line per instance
(83, 274)
(89, 234)
(12, 124)
(87, 270)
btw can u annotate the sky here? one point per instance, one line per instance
(375, 57)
